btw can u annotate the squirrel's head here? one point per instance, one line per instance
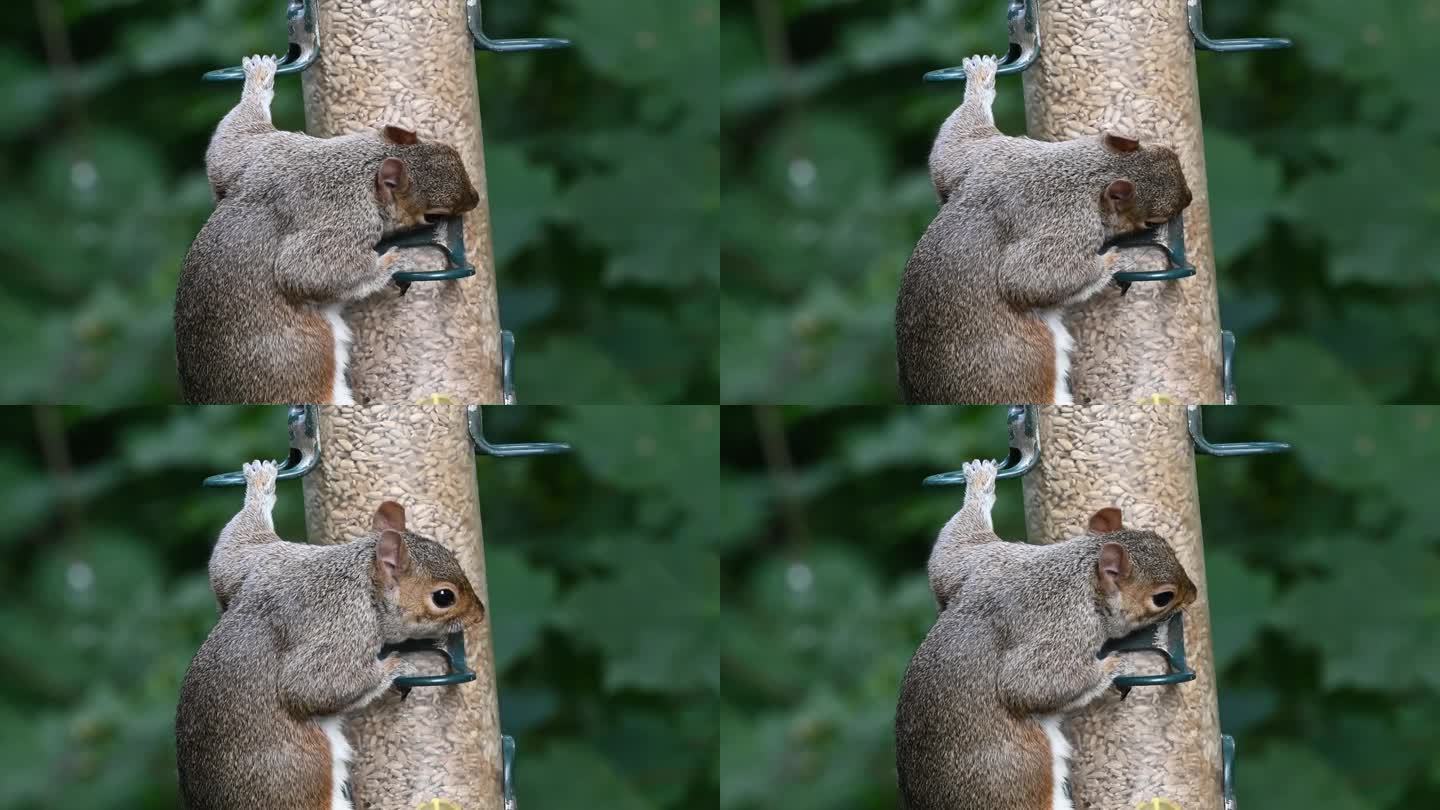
(421, 580)
(422, 179)
(1138, 579)
(1148, 185)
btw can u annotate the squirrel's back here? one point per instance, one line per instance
(258, 756)
(952, 327)
(229, 337)
(958, 338)
(956, 745)
(236, 745)
(237, 329)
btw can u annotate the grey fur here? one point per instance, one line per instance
(1017, 235)
(1016, 641)
(300, 629)
(293, 233)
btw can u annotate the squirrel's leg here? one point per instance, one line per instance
(231, 147)
(1041, 684)
(973, 120)
(1040, 271)
(253, 525)
(325, 673)
(975, 117)
(1041, 677)
(1044, 275)
(971, 526)
(1111, 667)
(328, 268)
(332, 266)
(973, 523)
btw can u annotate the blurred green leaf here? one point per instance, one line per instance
(655, 619)
(570, 776)
(1297, 777)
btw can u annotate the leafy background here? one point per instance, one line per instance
(603, 166)
(1322, 162)
(1323, 566)
(603, 576)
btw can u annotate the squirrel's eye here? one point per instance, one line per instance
(443, 598)
(1163, 598)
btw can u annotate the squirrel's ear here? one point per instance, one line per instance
(399, 135)
(1113, 566)
(389, 517)
(1106, 520)
(392, 177)
(1120, 143)
(1120, 193)
(392, 558)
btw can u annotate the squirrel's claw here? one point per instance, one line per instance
(980, 473)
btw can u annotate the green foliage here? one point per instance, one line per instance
(1322, 568)
(603, 175)
(603, 580)
(1322, 163)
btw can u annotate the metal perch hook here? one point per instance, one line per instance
(304, 45)
(1227, 366)
(1143, 640)
(507, 367)
(483, 445)
(1206, 447)
(454, 652)
(304, 450)
(1024, 45)
(485, 43)
(507, 753)
(1227, 757)
(1173, 247)
(428, 235)
(1203, 42)
(1024, 450)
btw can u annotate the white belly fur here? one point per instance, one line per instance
(340, 753)
(1063, 344)
(340, 391)
(1059, 761)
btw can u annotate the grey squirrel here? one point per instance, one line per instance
(1016, 648)
(980, 312)
(291, 242)
(262, 706)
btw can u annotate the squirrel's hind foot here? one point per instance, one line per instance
(259, 72)
(260, 477)
(980, 474)
(980, 71)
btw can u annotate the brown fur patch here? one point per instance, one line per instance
(317, 363)
(1035, 784)
(313, 775)
(1037, 372)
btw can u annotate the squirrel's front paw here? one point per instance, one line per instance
(259, 71)
(980, 71)
(980, 473)
(261, 475)
(1114, 666)
(398, 666)
(389, 259)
